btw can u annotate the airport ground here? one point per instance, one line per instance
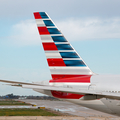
(68, 111)
(71, 109)
(53, 118)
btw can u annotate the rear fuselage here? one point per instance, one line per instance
(98, 83)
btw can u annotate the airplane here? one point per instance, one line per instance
(72, 80)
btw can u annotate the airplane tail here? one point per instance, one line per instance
(64, 62)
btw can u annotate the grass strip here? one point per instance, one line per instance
(26, 112)
(12, 102)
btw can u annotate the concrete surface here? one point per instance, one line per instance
(70, 108)
(16, 106)
(53, 118)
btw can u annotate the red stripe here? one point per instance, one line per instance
(63, 95)
(56, 62)
(85, 79)
(43, 31)
(37, 15)
(49, 46)
(58, 76)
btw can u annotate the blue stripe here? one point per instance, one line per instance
(64, 47)
(69, 55)
(54, 31)
(74, 63)
(43, 15)
(48, 23)
(58, 39)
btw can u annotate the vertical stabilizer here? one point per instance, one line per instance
(63, 60)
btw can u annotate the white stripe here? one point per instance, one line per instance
(47, 39)
(66, 50)
(54, 51)
(40, 23)
(53, 55)
(55, 34)
(61, 42)
(50, 26)
(44, 19)
(72, 59)
(68, 83)
(72, 68)
(60, 51)
(68, 71)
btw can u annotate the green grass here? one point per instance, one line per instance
(12, 102)
(25, 112)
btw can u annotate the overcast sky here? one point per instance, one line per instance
(92, 27)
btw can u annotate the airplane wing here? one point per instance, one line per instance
(15, 83)
(111, 95)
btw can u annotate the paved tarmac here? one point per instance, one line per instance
(53, 118)
(70, 108)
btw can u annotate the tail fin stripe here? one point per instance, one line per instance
(61, 43)
(59, 39)
(40, 23)
(49, 46)
(43, 31)
(70, 68)
(69, 55)
(60, 62)
(71, 59)
(52, 54)
(64, 47)
(37, 15)
(57, 55)
(60, 47)
(46, 38)
(56, 39)
(47, 41)
(58, 76)
(53, 31)
(43, 15)
(78, 63)
(68, 71)
(83, 79)
(48, 23)
(56, 62)
(46, 31)
(66, 50)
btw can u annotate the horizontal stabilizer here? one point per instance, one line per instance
(65, 89)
